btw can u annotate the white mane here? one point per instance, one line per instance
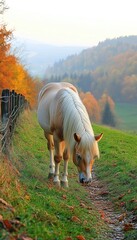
(75, 120)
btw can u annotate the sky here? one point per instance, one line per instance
(71, 22)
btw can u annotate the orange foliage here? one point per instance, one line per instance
(12, 73)
(106, 99)
(129, 90)
(91, 105)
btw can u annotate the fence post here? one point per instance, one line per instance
(5, 112)
(5, 106)
(11, 105)
(15, 95)
(18, 104)
(11, 109)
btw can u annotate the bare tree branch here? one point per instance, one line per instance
(3, 6)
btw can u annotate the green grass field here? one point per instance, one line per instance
(117, 168)
(127, 116)
(54, 213)
(47, 212)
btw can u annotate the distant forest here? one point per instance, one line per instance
(110, 68)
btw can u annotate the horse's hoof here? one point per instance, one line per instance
(51, 176)
(57, 183)
(64, 184)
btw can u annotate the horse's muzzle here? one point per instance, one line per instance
(83, 179)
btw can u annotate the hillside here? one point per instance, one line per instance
(36, 209)
(39, 209)
(109, 67)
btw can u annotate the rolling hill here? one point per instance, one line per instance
(109, 67)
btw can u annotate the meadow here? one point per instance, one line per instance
(126, 114)
(47, 212)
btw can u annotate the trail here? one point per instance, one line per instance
(117, 222)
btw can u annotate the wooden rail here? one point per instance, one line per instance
(11, 106)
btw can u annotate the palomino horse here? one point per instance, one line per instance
(68, 130)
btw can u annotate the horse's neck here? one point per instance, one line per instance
(75, 119)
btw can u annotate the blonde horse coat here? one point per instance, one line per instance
(67, 129)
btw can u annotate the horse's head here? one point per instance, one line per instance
(84, 158)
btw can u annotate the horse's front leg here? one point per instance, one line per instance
(59, 147)
(57, 160)
(64, 181)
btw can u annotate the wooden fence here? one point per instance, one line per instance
(11, 106)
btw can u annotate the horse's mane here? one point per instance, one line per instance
(75, 119)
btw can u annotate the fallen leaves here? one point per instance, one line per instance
(122, 204)
(8, 226)
(121, 196)
(22, 237)
(128, 227)
(133, 200)
(71, 208)
(83, 205)
(27, 197)
(64, 197)
(102, 214)
(104, 193)
(75, 219)
(81, 237)
(122, 217)
(6, 205)
(12, 226)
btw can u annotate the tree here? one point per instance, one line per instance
(107, 106)
(3, 6)
(13, 74)
(91, 105)
(129, 90)
(108, 116)
(104, 99)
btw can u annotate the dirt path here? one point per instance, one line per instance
(117, 222)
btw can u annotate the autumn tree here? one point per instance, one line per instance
(91, 105)
(129, 90)
(13, 74)
(106, 98)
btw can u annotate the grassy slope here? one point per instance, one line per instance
(118, 164)
(47, 212)
(117, 168)
(51, 213)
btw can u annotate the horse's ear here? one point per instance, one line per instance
(98, 137)
(77, 137)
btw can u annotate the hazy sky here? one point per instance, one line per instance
(72, 22)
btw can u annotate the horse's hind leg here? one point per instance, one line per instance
(50, 146)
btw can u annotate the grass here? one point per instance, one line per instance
(46, 211)
(118, 164)
(117, 168)
(127, 116)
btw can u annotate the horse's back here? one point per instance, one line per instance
(47, 103)
(54, 88)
